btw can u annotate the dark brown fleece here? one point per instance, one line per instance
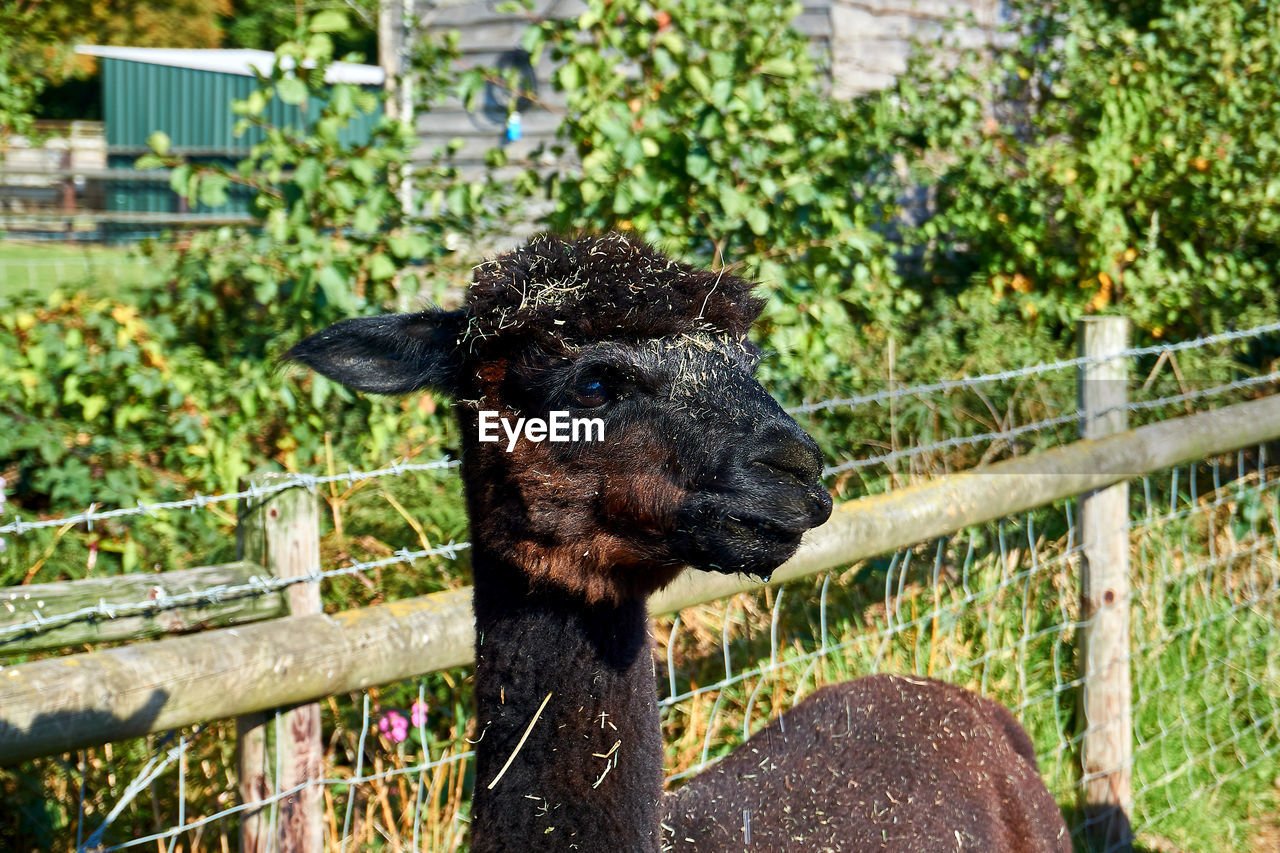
(881, 763)
(558, 293)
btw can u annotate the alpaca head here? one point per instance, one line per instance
(697, 466)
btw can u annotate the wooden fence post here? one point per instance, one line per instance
(1107, 746)
(281, 531)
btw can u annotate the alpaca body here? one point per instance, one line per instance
(880, 763)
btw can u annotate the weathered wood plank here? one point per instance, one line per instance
(253, 780)
(70, 702)
(478, 13)
(50, 601)
(474, 148)
(447, 123)
(64, 703)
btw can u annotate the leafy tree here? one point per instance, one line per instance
(19, 88)
(1129, 163)
(53, 30)
(331, 236)
(704, 126)
(266, 24)
(174, 390)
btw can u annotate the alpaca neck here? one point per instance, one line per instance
(588, 775)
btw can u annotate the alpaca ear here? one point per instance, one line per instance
(391, 354)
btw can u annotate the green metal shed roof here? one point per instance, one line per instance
(188, 94)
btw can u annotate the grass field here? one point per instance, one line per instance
(43, 267)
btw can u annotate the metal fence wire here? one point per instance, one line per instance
(994, 607)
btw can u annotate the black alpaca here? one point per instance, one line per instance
(700, 467)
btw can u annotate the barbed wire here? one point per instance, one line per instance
(890, 630)
(198, 501)
(1047, 423)
(1260, 736)
(1026, 372)
(255, 586)
(263, 585)
(1022, 559)
(158, 764)
(277, 797)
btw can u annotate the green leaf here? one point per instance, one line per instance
(758, 220)
(598, 160)
(256, 102)
(93, 406)
(334, 286)
(309, 175)
(265, 291)
(344, 193)
(365, 221)
(402, 246)
(381, 267)
(329, 21)
(698, 80)
(532, 39)
(569, 77)
(362, 171)
(778, 67)
(698, 164)
(213, 190)
(159, 142)
(366, 102)
(291, 91)
(735, 204)
(180, 180)
(343, 100)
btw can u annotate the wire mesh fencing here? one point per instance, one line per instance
(995, 608)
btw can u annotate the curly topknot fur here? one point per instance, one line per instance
(562, 293)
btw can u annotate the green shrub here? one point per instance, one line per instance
(704, 126)
(331, 238)
(1114, 156)
(176, 390)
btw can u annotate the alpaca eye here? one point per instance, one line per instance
(589, 393)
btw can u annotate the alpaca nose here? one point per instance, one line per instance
(788, 449)
(784, 449)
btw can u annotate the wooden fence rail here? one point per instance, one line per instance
(80, 700)
(23, 605)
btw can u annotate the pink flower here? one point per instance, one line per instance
(394, 726)
(418, 713)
